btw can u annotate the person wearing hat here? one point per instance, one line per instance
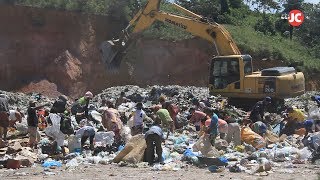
(80, 107)
(316, 99)
(60, 105)
(258, 110)
(4, 118)
(32, 120)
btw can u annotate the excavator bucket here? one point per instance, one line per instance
(112, 52)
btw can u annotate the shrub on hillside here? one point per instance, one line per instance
(265, 25)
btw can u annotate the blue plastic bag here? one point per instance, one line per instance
(180, 140)
(188, 153)
(223, 159)
(51, 163)
(121, 147)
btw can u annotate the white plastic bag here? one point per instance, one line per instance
(58, 136)
(55, 119)
(72, 163)
(305, 153)
(54, 130)
(96, 115)
(104, 138)
(314, 113)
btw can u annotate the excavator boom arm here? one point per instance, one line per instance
(112, 51)
(211, 32)
(193, 23)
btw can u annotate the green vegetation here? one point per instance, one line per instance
(275, 47)
(257, 32)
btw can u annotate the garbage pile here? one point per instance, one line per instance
(21, 100)
(256, 154)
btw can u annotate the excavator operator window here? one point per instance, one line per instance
(224, 71)
(247, 66)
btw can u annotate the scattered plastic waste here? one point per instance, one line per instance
(256, 155)
(51, 163)
(188, 153)
(104, 138)
(49, 173)
(121, 147)
(72, 163)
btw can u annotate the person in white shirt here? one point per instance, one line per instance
(14, 116)
(138, 116)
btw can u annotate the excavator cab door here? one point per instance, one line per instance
(225, 75)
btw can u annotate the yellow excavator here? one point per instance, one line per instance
(231, 74)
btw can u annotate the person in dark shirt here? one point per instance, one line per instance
(32, 121)
(316, 99)
(4, 116)
(259, 109)
(59, 106)
(80, 107)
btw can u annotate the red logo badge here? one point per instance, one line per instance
(295, 17)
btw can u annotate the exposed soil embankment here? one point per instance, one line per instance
(61, 48)
(54, 52)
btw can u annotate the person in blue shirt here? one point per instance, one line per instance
(316, 99)
(213, 128)
(154, 137)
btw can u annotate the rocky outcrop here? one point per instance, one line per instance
(66, 71)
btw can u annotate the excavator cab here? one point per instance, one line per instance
(227, 72)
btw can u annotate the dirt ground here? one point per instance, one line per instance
(113, 171)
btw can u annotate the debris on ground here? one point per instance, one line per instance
(257, 154)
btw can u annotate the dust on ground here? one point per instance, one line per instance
(113, 171)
